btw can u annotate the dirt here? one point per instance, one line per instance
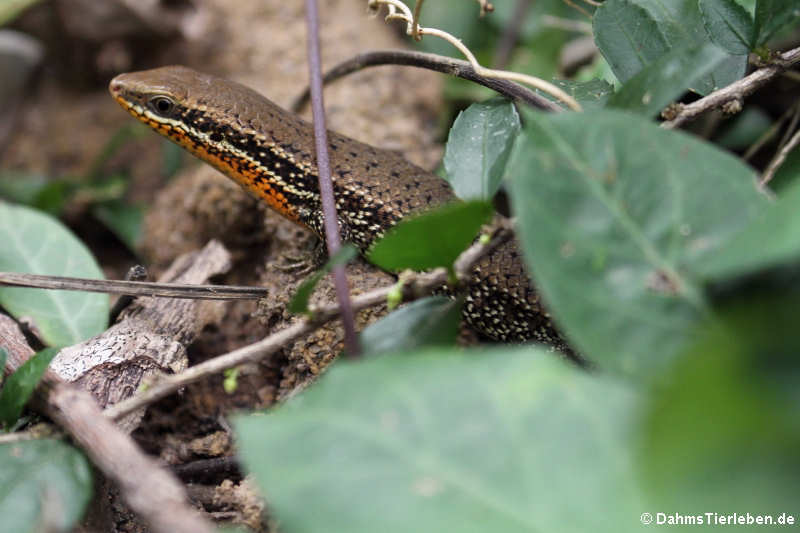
(261, 44)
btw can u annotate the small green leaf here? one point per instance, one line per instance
(614, 223)
(771, 240)
(172, 156)
(39, 244)
(123, 219)
(45, 485)
(482, 441)
(35, 190)
(299, 302)
(478, 147)
(667, 78)
(774, 15)
(729, 25)
(231, 380)
(432, 321)
(434, 239)
(20, 385)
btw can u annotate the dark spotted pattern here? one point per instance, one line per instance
(271, 152)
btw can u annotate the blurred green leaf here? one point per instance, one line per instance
(34, 190)
(299, 302)
(450, 441)
(173, 157)
(11, 9)
(728, 25)
(614, 222)
(46, 485)
(478, 147)
(744, 129)
(432, 321)
(20, 385)
(667, 78)
(774, 15)
(769, 241)
(632, 34)
(434, 239)
(38, 244)
(123, 219)
(724, 419)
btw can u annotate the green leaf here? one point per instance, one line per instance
(432, 321)
(728, 25)
(38, 244)
(632, 34)
(299, 302)
(724, 419)
(614, 222)
(434, 239)
(45, 485)
(478, 147)
(36, 191)
(774, 15)
(20, 385)
(667, 78)
(123, 219)
(744, 129)
(769, 241)
(592, 94)
(450, 441)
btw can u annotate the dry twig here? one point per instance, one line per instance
(447, 65)
(736, 91)
(414, 287)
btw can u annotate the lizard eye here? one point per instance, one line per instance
(161, 105)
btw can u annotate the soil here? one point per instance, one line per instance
(261, 44)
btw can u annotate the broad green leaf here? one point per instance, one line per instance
(123, 219)
(771, 240)
(774, 15)
(592, 94)
(613, 223)
(728, 25)
(724, 419)
(667, 78)
(45, 485)
(478, 147)
(434, 239)
(432, 321)
(450, 441)
(3, 357)
(299, 302)
(631, 34)
(38, 244)
(20, 385)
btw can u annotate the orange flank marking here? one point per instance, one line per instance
(241, 170)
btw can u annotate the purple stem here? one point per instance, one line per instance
(325, 182)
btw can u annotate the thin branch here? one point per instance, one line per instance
(399, 11)
(331, 220)
(778, 160)
(447, 65)
(415, 286)
(736, 91)
(133, 288)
